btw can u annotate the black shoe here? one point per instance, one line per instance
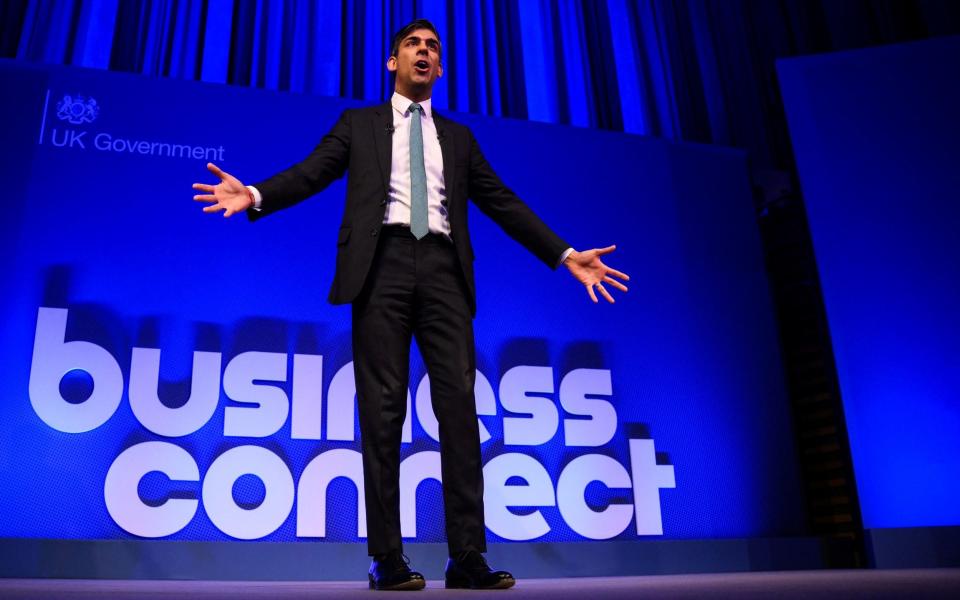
(391, 571)
(470, 570)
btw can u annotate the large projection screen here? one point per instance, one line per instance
(168, 374)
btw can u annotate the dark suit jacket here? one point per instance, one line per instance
(360, 143)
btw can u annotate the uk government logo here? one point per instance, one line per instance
(75, 112)
(78, 110)
(580, 413)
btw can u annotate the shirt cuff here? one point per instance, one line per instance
(257, 198)
(564, 256)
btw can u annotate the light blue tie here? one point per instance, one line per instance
(418, 176)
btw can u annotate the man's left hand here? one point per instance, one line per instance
(592, 273)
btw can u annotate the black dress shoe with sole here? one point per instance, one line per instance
(469, 570)
(391, 571)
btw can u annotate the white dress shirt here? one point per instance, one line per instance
(398, 196)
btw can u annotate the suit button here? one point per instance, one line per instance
(373, 232)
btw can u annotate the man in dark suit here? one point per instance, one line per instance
(405, 262)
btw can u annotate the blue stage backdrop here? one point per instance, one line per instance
(875, 134)
(170, 374)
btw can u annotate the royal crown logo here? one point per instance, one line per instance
(78, 109)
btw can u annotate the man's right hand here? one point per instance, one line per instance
(229, 195)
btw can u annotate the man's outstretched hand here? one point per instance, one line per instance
(592, 273)
(229, 195)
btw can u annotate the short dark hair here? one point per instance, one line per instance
(410, 28)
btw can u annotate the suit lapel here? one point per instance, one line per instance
(383, 136)
(446, 149)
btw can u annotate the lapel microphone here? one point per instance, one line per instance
(389, 129)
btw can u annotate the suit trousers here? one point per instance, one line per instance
(416, 289)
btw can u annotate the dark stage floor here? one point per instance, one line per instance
(913, 584)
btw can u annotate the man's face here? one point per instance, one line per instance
(417, 63)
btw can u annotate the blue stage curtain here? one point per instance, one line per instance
(695, 70)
